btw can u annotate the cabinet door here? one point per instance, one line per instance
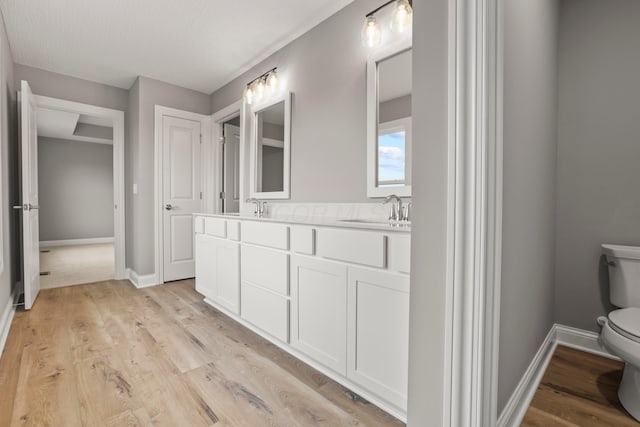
(205, 267)
(227, 270)
(378, 333)
(319, 311)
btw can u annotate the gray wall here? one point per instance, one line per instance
(530, 84)
(145, 94)
(394, 109)
(598, 152)
(326, 71)
(70, 88)
(8, 164)
(75, 182)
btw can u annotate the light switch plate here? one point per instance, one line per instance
(135, 188)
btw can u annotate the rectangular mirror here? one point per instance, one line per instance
(270, 149)
(389, 142)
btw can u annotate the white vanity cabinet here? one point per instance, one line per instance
(319, 310)
(336, 297)
(378, 333)
(265, 277)
(218, 265)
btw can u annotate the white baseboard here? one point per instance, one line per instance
(517, 406)
(74, 242)
(582, 340)
(143, 281)
(5, 322)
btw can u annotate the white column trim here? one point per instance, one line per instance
(474, 315)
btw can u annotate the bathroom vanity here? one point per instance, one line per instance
(335, 294)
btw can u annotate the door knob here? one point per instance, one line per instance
(168, 207)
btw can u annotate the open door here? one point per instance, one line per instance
(30, 217)
(231, 165)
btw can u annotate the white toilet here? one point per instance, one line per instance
(621, 332)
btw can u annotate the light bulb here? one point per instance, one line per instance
(260, 86)
(248, 94)
(272, 81)
(371, 36)
(402, 17)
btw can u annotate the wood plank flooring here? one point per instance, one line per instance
(107, 354)
(579, 389)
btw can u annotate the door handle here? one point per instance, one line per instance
(168, 207)
(27, 207)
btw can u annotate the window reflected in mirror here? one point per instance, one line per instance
(270, 152)
(393, 163)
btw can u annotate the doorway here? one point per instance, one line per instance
(80, 173)
(224, 169)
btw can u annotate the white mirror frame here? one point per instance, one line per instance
(373, 190)
(253, 169)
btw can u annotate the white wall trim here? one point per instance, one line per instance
(519, 402)
(74, 242)
(140, 282)
(474, 301)
(161, 111)
(517, 406)
(5, 322)
(118, 167)
(582, 340)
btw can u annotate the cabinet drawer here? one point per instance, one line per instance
(266, 268)
(265, 310)
(198, 224)
(399, 253)
(358, 247)
(233, 230)
(303, 240)
(215, 227)
(266, 234)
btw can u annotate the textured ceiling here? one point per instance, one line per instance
(197, 44)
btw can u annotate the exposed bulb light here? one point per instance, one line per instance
(259, 88)
(371, 35)
(248, 94)
(402, 17)
(272, 81)
(262, 86)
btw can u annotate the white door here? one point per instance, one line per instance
(30, 217)
(181, 194)
(231, 167)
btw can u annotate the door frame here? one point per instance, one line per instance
(475, 192)
(158, 181)
(117, 116)
(215, 159)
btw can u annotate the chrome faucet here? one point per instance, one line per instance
(398, 212)
(260, 209)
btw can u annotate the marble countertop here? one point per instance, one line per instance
(355, 223)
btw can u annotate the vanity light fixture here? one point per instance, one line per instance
(401, 21)
(256, 89)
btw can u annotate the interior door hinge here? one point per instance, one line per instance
(200, 138)
(201, 195)
(222, 195)
(223, 140)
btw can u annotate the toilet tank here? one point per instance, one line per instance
(624, 274)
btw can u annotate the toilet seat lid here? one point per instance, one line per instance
(626, 321)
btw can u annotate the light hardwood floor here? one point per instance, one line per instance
(107, 354)
(579, 389)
